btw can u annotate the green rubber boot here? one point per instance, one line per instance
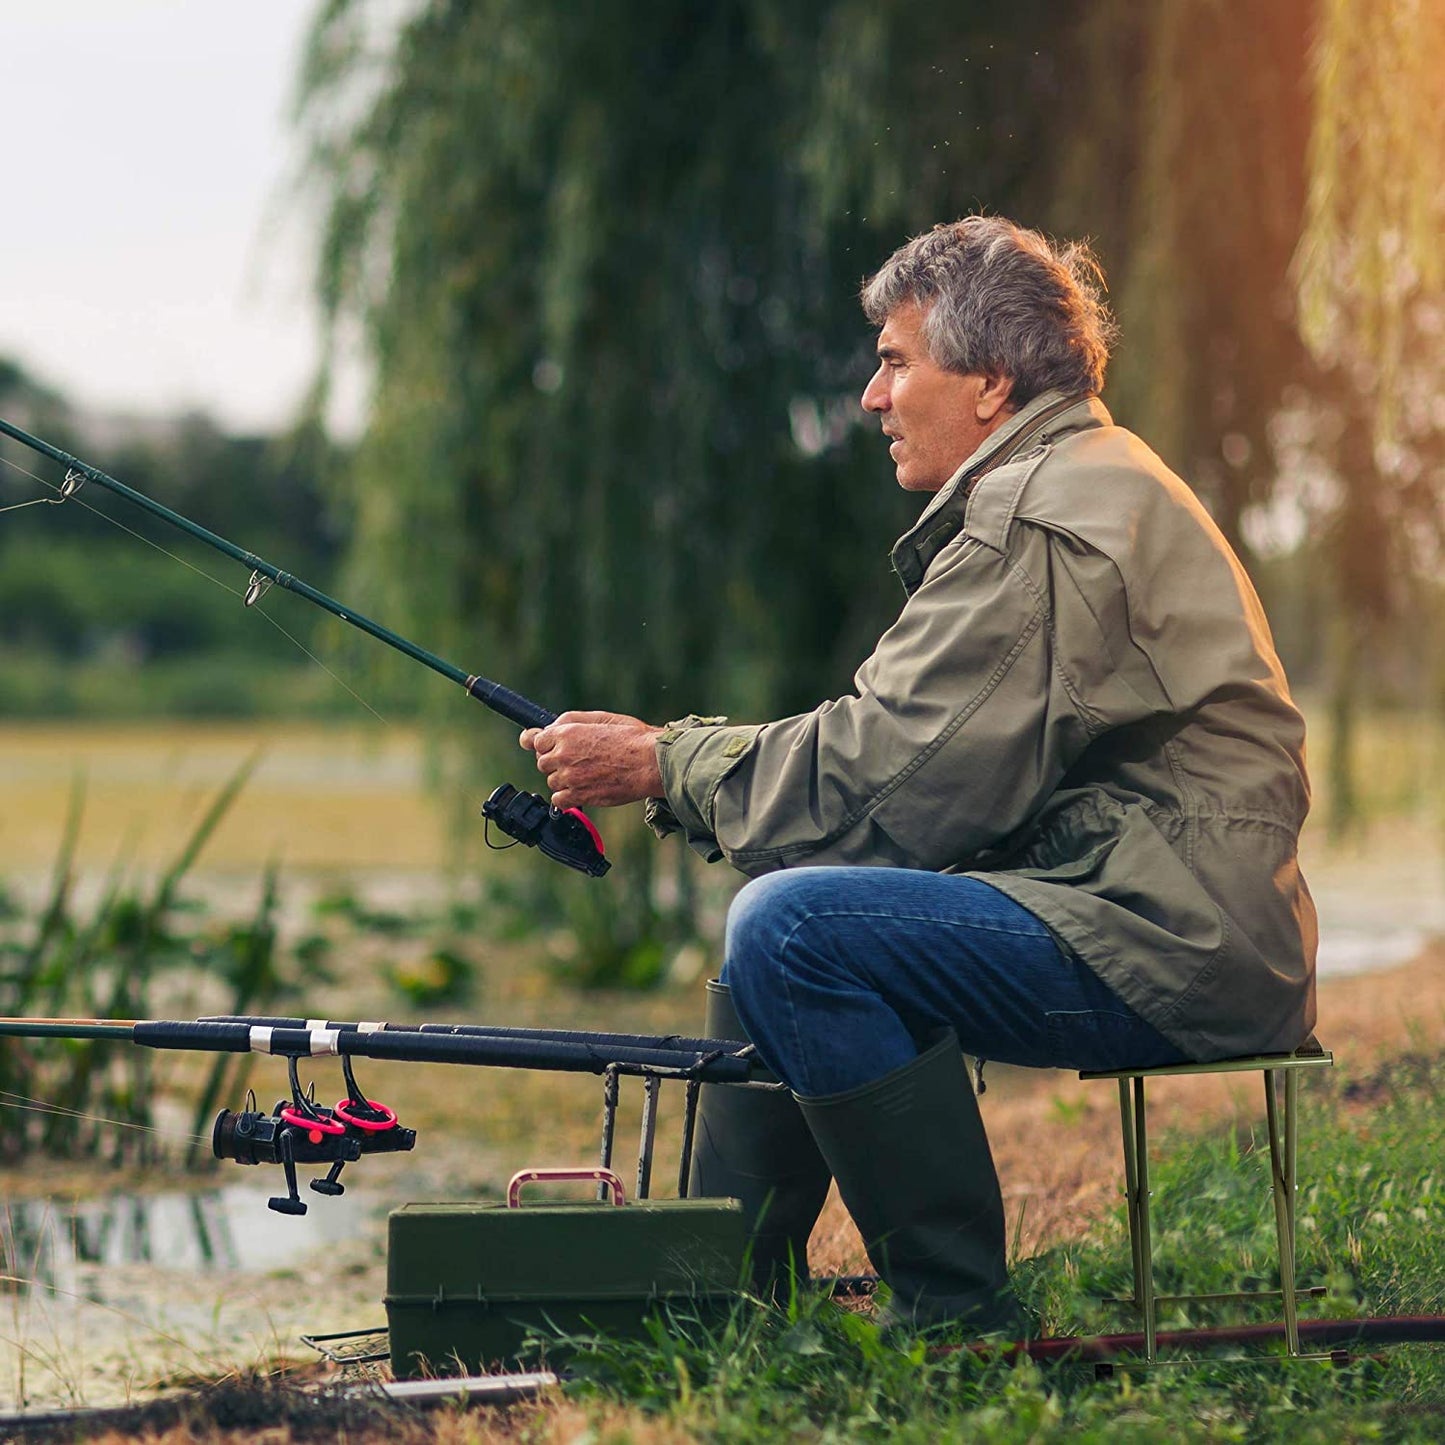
(753, 1145)
(914, 1168)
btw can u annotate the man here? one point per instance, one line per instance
(1055, 824)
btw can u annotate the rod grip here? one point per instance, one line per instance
(511, 705)
(203, 1036)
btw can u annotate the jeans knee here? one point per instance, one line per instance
(754, 928)
(765, 919)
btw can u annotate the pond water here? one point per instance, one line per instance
(1380, 901)
(106, 1298)
(69, 1249)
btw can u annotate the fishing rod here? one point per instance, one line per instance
(603, 1040)
(567, 836)
(300, 1131)
(712, 1061)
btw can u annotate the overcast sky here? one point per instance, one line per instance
(153, 257)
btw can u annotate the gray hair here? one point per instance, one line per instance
(1000, 300)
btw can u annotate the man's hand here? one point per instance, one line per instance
(597, 759)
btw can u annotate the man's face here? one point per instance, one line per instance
(937, 419)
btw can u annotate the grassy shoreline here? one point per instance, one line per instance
(1372, 1216)
(352, 800)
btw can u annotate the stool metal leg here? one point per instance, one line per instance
(1291, 1145)
(1281, 1150)
(1146, 1242)
(1280, 1094)
(1131, 1189)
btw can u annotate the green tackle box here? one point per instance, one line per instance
(465, 1283)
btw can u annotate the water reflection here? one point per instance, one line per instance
(64, 1248)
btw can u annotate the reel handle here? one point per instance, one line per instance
(567, 836)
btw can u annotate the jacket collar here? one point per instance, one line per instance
(1048, 415)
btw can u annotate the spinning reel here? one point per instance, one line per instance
(300, 1131)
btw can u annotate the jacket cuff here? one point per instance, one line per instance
(694, 755)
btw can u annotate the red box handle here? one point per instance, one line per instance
(604, 1177)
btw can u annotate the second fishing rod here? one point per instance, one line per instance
(567, 836)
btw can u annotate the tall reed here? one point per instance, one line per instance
(93, 1097)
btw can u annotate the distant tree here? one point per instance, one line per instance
(27, 399)
(75, 590)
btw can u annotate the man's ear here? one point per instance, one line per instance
(993, 397)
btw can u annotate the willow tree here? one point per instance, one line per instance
(1372, 258)
(1209, 119)
(607, 264)
(1278, 269)
(605, 261)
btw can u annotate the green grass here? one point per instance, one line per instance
(1372, 1220)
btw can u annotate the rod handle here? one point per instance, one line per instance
(512, 705)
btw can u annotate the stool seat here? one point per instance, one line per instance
(1283, 1148)
(1311, 1053)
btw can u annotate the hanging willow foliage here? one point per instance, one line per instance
(605, 309)
(1370, 272)
(1217, 127)
(1373, 249)
(605, 261)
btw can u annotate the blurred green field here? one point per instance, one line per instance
(324, 796)
(350, 796)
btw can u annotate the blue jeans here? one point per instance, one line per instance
(841, 975)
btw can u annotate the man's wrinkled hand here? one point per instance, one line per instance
(597, 759)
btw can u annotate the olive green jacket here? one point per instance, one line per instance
(1080, 704)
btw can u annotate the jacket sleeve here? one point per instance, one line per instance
(963, 722)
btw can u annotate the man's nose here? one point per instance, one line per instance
(875, 394)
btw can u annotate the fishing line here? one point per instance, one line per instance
(15, 466)
(38, 501)
(114, 522)
(566, 835)
(31, 1105)
(199, 571)
(385, 722)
